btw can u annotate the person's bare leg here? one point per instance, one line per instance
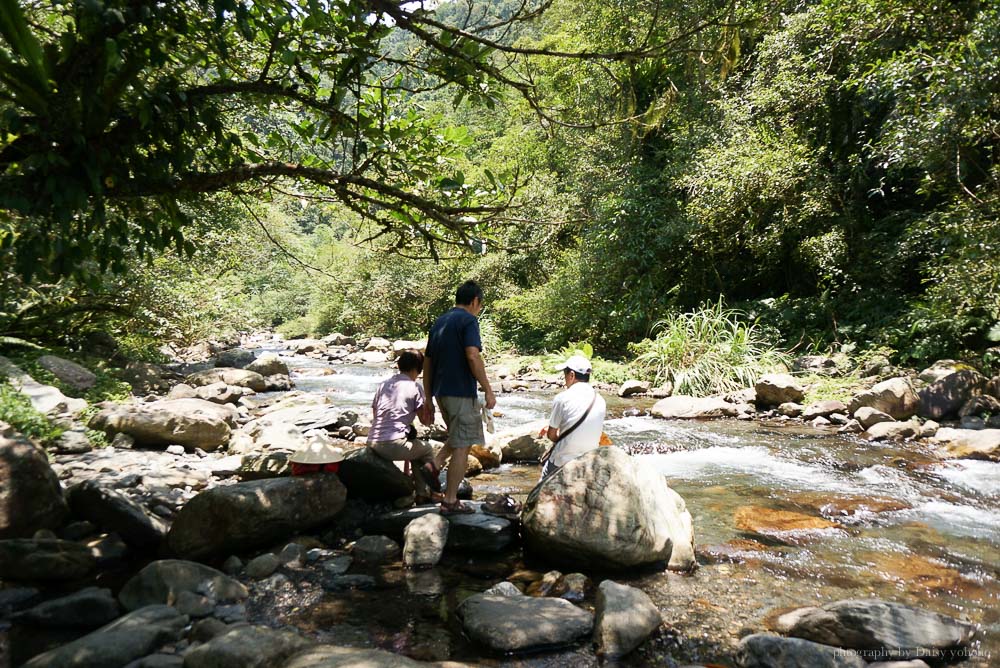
(456, 472)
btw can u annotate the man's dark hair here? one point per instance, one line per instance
(582, 377)
(467, 292)
(410, 360)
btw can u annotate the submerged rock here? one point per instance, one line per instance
(522, 623)
(229, 519)
(636, 518)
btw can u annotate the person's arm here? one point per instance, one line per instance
(555, 419)
(478, 369)
(427, 411)
(552, 434)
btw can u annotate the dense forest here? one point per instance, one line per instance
(825, 170)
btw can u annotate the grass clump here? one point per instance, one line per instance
(604, 371)
(17, 411)
(707, 351)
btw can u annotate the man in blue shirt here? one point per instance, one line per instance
(453, 365)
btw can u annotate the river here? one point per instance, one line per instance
(911, 529)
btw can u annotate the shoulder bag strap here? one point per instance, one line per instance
(548, 453)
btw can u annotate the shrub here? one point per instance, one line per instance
(16, 410)
(706, 351)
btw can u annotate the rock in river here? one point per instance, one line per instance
(604, 510)
(193, 423)
(895, 396)
(774, 389)
(165, 580)
(625, 617)
(114, 511)
(762, 650)
(128, 638)
(679, 407)
(229, 519)
(30, 495)
(44, 559)
(247, 647)
(968, 444)
(368, 476)
(522, 623)
(871, 624)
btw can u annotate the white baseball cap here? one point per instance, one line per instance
(576, 363)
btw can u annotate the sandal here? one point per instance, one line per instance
(501, 505)
(430, 473)
(457, 508)
(433, 497)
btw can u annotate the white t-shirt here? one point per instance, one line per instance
(567, 408)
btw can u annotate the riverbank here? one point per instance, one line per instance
(924, 537)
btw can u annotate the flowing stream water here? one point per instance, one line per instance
(909, 528)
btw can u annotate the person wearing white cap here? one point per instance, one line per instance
(577, 419)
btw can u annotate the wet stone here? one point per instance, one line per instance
(348, 582)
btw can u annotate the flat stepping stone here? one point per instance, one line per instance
(523, 623)
(475, 532)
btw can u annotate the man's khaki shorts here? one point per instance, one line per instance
(464, 420)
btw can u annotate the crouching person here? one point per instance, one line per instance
(393, 436)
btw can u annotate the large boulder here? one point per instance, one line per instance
(424, 540)
(44, 559)
(229, 519)
(818, 364)
(113, 511)
(762, 650)
(968, 443)
(939, 370)
(625, 617)
(893, 431)
(30, 495)
(368, 476)
(165, 580)
(238, 377)
(635, 519)
(868, 416)
(247, 647)
(680, 407)
(268, 364)
(774, 389)
(193, 423)
(398, 347)
(823, 409)
(943, 398)
(896, 397)
(131, 637)
(871, 624)
(522, 623)
(72, 374)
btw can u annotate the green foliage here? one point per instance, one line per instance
(16, 410)
(707, 351)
